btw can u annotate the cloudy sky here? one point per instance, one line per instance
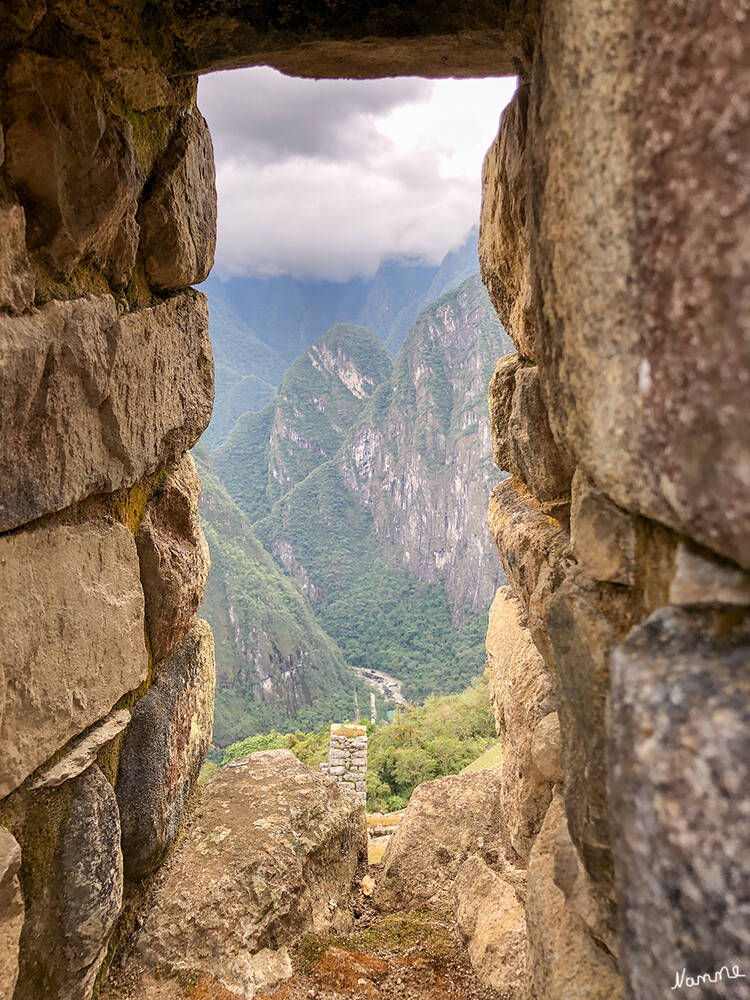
(327, 178)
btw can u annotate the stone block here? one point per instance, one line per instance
(11, 912)
(504, 257)
(500, 399)
(533, 454)
(178, 214)
(174, 558)
(82, 752)
(492, 922)
(679, 770)
(72, 164)
(583, 640)
(90, 400)
(545, 747)
(521, 694)
(163, 751)
(535, 554)
(597, 911)
(73, 595)
(564, 959)
(76, 905)
(336, 769)
(602, 534)
(269, 829)
(17, 280)
(702, 579)
(642, 336)
(429, 845)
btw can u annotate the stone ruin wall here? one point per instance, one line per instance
(614, 246)
(107, 215)
(347, 759)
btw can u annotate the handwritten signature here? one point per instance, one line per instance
(682, 978)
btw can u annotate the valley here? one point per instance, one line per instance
(351, 570)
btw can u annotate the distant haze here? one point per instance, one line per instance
(329, 178)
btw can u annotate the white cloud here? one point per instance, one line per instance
(328, 178)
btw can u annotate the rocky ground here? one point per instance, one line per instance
(413, 955)
(399, 956)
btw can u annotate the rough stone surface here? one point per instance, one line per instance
(602, 534)
(702, 579)
(641, 344)
(564, 960)
(492, 923)
(11, 912)
(82, 752)
(534, 457)
(174, 558)
(271, 854)
(117, 258)
(500, 398)
(679, 774)
(535, 554)
(164, 747)
(17, 279)
(74, 597)
(446, 821)
(91, 401)
(118, 54)
(25, 14)
(504, 258)
(583, 640)
(77, 902)
(72, 164)
(597, 911)
(178, 215)
(522, 694)
(545, 747)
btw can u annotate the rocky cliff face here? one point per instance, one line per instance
(419, 460)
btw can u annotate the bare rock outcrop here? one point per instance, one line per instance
(72, 588)
(446, 821)
(271, 854)
(163, 750)
(174, 558)
(91, 400)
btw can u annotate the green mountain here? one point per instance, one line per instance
(421, 462)
(276, 667)
(320, 398)
(259, 326)
(370, 484)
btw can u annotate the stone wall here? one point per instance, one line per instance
(107, 216)
(619, 653)
(347, 759)
(614, 245)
